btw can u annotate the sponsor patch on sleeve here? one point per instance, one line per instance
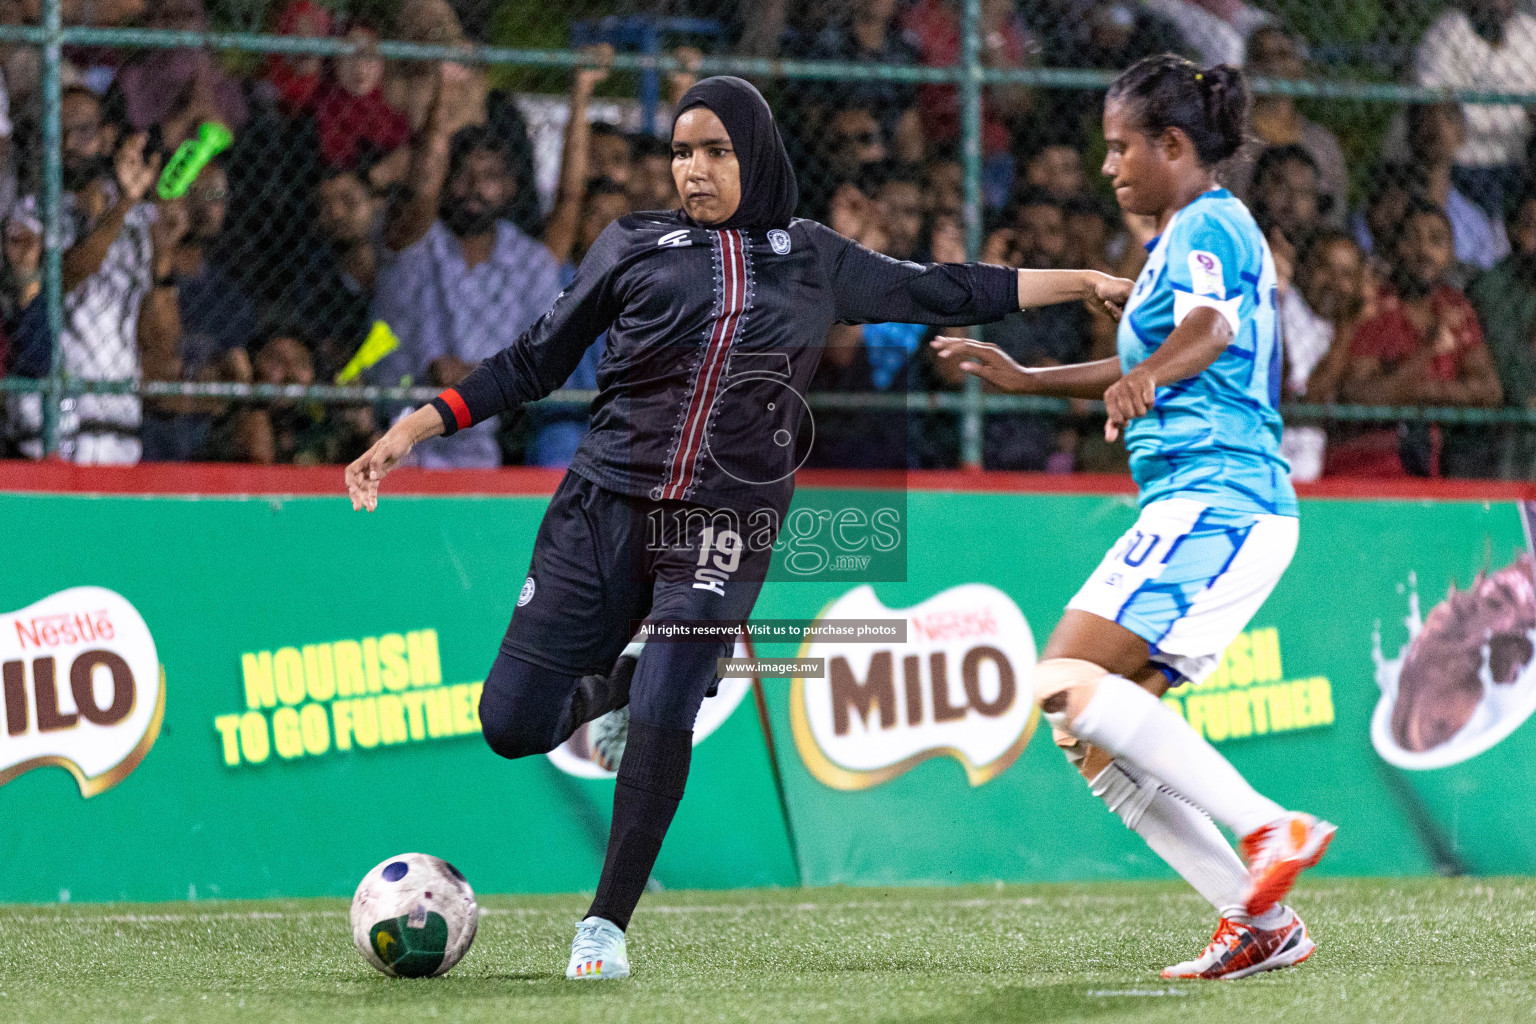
(1205, 274)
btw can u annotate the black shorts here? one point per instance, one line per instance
(603, 562)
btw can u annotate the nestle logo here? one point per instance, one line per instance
(65, 628)
(955, 624)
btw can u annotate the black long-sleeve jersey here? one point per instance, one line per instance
(713, 337)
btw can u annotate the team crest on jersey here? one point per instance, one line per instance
(779, 239)
(675, 239)
(526, 594)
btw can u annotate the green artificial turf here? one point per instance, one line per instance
(1388, 950)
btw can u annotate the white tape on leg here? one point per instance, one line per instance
(1125, 790)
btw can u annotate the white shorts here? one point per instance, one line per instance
(1187, 578)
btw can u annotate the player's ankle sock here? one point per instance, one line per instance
(1272, 918)
(650, 786)
(1130, 723)
(1179, 832)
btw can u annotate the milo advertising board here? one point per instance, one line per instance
(902, 766)
(283, 693)
(287, 694)
(1457, 689)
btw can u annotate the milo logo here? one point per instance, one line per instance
(959, 687)
(81, 688)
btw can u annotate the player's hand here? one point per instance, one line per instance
(1129, 397)
(986, 361)
(1111, 293)
(364, 475)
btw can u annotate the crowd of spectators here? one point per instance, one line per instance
(395, 202)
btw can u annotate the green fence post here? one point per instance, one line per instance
(970, 155)
(53, 58)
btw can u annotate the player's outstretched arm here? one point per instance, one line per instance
(996, 367)
(1195, 344)
(1048, 287)
(873, 288)
(366, 473)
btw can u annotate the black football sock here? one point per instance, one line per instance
(650, 786)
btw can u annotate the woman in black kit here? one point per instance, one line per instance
(715, 315)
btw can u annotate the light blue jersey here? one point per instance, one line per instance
(1214, 438)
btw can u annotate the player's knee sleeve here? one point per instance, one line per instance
(1063, 687)
(521, 706)
(1125, 790)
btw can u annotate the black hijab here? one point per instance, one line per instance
(769, 193)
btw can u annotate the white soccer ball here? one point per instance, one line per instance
(414, 916)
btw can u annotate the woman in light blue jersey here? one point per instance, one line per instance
(1194, 389)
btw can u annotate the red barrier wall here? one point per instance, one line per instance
(239, 478)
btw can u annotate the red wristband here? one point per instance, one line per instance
(456, 403)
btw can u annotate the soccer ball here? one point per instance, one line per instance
(414, 916)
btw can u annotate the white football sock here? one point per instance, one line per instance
(1128, 722)
(1179, 832)
(1272, 918)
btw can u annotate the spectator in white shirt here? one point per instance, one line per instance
(1216, 31)
(1436, 134)
(1320, 301)
(1486, 45)
(109, 283)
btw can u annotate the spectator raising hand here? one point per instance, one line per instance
(415, 88)
(136, 173)
(159, 317)
(461, 280)
(134, 176)
(560, 229)
(681, 79)
(856, 216)
(107, 276)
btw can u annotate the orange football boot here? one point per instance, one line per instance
(1238, 950)
(1280, 851)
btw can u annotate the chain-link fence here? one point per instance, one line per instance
(410, 183)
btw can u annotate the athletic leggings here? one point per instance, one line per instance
(526, 709)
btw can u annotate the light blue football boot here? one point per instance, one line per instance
(598, 951)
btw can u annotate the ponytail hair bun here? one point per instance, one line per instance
(1209, 106)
